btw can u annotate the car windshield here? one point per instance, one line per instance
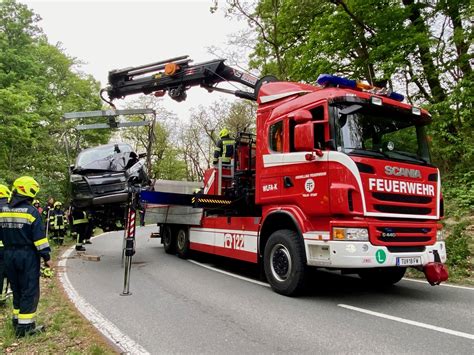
(100, 157)
(380, 132)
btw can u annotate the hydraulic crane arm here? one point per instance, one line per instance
(176, 75)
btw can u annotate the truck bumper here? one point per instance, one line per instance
(358, 255)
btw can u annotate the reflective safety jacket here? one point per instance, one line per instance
(21, 226)
(57, 219)
(225, 150)
(79, 217)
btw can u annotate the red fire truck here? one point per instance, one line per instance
(338, 176)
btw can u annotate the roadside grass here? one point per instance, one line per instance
(67, 332)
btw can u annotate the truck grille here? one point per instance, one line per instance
(401, 198)
(403, 209)
(399, 235)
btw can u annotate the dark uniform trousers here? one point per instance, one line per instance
(3, 275)
(23, 272)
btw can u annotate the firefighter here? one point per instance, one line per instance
(57, 223)
(80, 222)
(4, 196)
(89, 230)
(23, 235)
(37, 205)
(224, 148)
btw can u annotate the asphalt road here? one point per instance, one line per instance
(180, 306)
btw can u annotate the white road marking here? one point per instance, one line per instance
(230, 274)
(411, 322)
(106, 327)
(445, 285)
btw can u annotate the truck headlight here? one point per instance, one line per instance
(76, 178)
(360, 234)
(440, 235)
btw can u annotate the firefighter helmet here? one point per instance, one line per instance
(4, 191)
(57, 204)
(26, 186)
(223, 133)
(36, 202)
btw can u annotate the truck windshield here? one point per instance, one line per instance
(380, 132)
(102, 153)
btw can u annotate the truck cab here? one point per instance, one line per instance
(350, 172)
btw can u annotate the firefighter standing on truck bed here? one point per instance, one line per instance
(4, 196)
(23, 235)
(57, 223)
(224, 148)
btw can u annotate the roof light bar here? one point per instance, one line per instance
(332, 80)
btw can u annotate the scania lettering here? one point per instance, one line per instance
(337, 176)
(393, 170)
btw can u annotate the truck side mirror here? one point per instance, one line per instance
(304, 137)
(301, 116)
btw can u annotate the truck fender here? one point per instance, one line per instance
(279, 218)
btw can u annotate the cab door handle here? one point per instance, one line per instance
(287, 182)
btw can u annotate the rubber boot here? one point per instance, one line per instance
(23, 330)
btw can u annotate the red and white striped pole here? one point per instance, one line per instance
(129, 246)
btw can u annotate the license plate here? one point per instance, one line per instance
(409, 261)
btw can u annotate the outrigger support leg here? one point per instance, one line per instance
(129, 249)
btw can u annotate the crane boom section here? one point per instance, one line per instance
(175, 76)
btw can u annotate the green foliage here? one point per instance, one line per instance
(38, 84)
(458, 192)
(417, 47)
(457, 248)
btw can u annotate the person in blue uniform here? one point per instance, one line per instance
(4, 196)
(23, 236)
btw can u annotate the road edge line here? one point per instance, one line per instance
(443, 284)
(408, 321)
(102, 324)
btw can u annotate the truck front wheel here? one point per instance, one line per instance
(168, 239)
(383, 276)
(284, 262)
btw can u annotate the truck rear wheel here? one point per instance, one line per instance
(284, 262)
(182, 242)
(383, 276)
(168, 239)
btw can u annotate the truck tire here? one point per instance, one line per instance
(284, 262)
(383, 276)
(168, 239)
(182, 242)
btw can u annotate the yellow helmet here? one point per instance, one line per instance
(36, 202)
(4, 191)
(224, 132)
(57, 204)
(26, 186)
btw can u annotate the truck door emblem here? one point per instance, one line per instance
(309, 185)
